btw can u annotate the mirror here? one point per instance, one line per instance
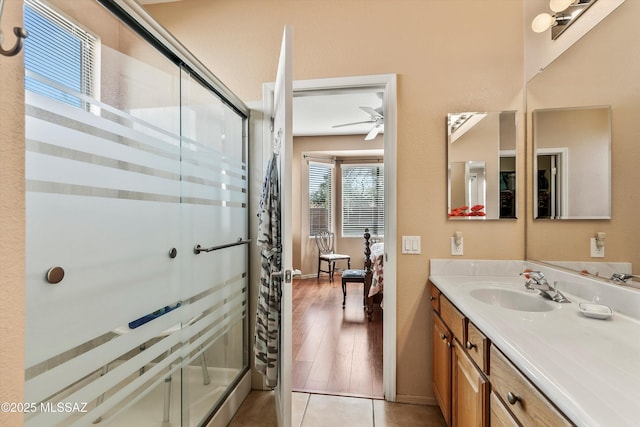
(481, 150)
(572, 163)
(595, 71)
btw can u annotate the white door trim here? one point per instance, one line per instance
(387, 83)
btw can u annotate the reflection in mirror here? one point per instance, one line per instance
(482, 165)
(594, 72)
(572, 163)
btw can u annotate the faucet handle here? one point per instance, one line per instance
(622, 277)
(532, 274)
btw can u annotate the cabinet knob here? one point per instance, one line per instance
(431, 298)
(470, 345)
(513, 398)
(449, 344)
(443, 336)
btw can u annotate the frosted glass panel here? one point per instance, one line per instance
(214, 213)
(122, 183)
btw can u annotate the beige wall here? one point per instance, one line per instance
(600, 69)
(11, 219)
(443, 65)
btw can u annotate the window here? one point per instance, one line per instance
(362, 199)
(320, 197)
(59, 56)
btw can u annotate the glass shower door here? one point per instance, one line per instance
(131, 163)
(103, 287)
(215, 223)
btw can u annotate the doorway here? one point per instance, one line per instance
(384, 84)
(551, 183)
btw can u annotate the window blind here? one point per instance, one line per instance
(60, 51)
(320, 197)
(362, 199)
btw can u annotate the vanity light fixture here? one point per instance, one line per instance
(565, 13)
(600, 239)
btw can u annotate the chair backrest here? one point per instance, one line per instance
(324, 241)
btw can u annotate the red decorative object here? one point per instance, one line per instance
(476, 210)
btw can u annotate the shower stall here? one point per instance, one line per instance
(137, 222)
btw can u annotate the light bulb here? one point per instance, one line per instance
(542, 22)
(560, 5)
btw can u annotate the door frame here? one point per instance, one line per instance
(387, 84)
(562, 156)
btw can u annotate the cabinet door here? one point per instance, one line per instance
(470, 391)
(442, 367)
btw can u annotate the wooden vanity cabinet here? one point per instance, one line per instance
(474, 383)
(499, 414)
(435, 299)
(469, 405)
(454, 319)
(460, 387)
(527, 405)
(442, 366)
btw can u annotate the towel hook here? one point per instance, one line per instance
(20, 33)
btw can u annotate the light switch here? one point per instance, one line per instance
(411, 245)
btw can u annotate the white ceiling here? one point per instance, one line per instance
(316, 114)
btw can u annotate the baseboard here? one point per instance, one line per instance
(416, 400)
(223, 416)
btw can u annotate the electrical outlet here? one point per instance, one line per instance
(456, 249)
(595, 252)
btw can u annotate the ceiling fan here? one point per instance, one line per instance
(376, 118)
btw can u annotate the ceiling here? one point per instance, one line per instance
(317, 113)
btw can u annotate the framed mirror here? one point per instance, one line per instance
(481, 153)
(572, 163)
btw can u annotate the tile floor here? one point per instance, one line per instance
(317, 410)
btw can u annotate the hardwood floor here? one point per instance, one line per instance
(335, 351)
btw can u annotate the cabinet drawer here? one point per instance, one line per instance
(477, 346)
(453, 318)
(528, 405)
(435, 298)
(499, 415)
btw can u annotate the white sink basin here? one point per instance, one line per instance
(511, 299)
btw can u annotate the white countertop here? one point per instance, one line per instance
(589, 368)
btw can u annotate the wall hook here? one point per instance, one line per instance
(20, 33)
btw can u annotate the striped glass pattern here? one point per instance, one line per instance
(121, 186)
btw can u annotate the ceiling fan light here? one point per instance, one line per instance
(542, 22)
(560, 5)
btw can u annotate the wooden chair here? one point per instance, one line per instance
(360, 276)
(326, 253)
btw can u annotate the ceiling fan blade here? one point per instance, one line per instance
(354, 123)
(371, 111)
(373, 133)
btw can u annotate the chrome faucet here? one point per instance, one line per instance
(537, 281)
(622, 277)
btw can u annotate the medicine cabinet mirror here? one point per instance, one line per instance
(572, 164)
(481, 152)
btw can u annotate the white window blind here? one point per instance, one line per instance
(362, 199)
(320, 197)
(59, 54)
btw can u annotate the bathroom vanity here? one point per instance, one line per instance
(505, 356)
